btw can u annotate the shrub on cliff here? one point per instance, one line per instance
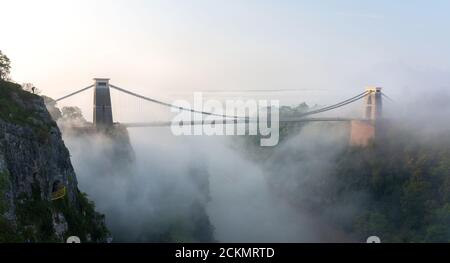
(5, 66)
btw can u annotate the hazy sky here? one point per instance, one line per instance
(159, 48)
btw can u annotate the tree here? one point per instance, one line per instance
(5, 66)
(72, 113)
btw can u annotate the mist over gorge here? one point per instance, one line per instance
(312, 187)
(194, 189)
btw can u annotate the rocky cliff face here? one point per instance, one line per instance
(39, 197)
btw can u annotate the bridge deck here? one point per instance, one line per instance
(194, 123)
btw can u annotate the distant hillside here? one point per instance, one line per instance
(397, 188)
(405, 178)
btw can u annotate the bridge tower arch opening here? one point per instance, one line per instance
(103, 117)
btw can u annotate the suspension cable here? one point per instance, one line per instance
(338, 105)
(387, 97)
(74, 93)
(324, 109)
(173, 106)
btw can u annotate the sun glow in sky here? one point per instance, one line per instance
(163, 47)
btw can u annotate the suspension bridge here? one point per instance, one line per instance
(362, 130)
(103, 108)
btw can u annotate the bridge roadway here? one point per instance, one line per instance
(232, 121)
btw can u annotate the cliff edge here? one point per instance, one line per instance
(39, 197)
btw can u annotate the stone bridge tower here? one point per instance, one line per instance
(103, 117)
(362, 132)
(373, 104)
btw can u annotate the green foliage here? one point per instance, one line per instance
(72, 113)
(4, 187)
(439, 230)
(397, 188)
(82, 219)
(408, 180)
(17, 106)
(34, 217)
(11, 111)
(5, 66)
(296, 111)
(7, 232)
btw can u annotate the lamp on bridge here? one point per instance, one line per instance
(102, 104)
